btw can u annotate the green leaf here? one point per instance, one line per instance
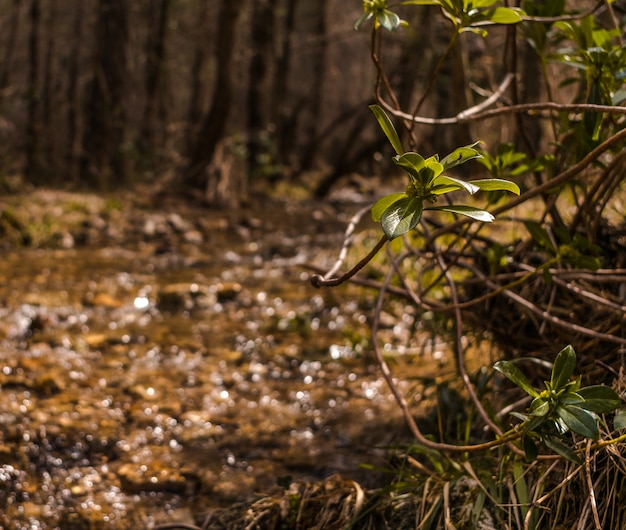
(563, 368)
(514, 374)
(539, 407)
(561, 449)
(402, 216)
(539, 235)
(579, 421)
(382, 204)
(361, 19)
(502, 15)
(530, 451)
(449, 182)
(387, 127)
(619, 421)
(411, 162)
(460, 156)
(496, 185)
(599, 399)
(388, 20)
(468, 211)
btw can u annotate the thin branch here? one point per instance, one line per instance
(478, 112)
(321, 281)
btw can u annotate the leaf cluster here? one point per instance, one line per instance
(563, 406)
(399, 213)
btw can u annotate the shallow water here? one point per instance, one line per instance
(163, 374)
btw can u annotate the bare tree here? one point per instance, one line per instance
(72, 146)
(105, 128)
(258, 96)
(154, 114)
(13, 31)
(33, 123)
(214, 124)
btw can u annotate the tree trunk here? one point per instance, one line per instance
(50, 85)
(262, 34)
(5, 65)
(105, 131)
(281, 113)
(33, 120)
(72, 146)
(197, 65)
(154, 115)
(315, 96)
(214, 125)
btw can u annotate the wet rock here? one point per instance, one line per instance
(227, 291)
(179, 224)
(102, 300)
(158, 475)
(194, 237)
(184, 296)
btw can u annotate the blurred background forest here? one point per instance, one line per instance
(103, 93)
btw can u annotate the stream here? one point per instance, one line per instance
(157, 364)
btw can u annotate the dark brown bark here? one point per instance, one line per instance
(72, 146)
(214, 125)
(49, 91)
(12, 31)
(197, 65)
(33, 122)
(105, 131)
(281, 113)
(154, 115)
(314, 97)
(258, 96)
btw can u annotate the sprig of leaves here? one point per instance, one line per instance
(563, 406)
(399, 213)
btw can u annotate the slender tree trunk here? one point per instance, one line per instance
(72, 146)
(49, 91)
(13, 31)
(195, 99)
(216, 119)
(153, 123)
(105, 131)
(281, 114)
(316, 93)
(33, 121)
(262, 34)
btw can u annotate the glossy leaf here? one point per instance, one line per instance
(388, 20)
(411, 162)
(496, 185)
(382, 204)
(515, 375)
(467, 211)
(361, 19)
(402, 216)
(562, 450)
(387, 127)
(599, 398)
(451, 181)
(461, 155)
(540, 407)
(619, 421)
(563, 368)
(502, 15)
(579, 421)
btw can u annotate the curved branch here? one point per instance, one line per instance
(322, 281)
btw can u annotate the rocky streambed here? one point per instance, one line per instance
(160, 361)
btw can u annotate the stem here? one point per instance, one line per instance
(320, 281)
